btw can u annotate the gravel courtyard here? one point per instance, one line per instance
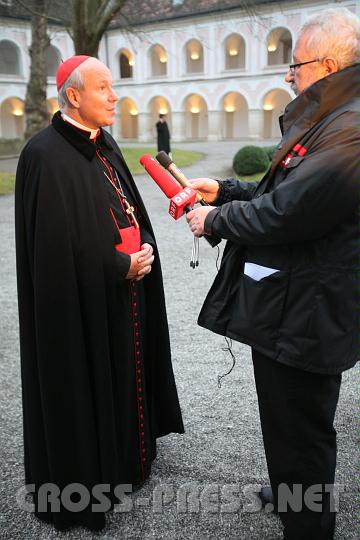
(222, 447)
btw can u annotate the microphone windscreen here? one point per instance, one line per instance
(164, 159)
(165, 182)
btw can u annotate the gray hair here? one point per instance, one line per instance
(335, 33)
(75, 80)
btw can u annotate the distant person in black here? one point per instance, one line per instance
(163, 135)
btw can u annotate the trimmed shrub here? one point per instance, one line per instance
(270, 150)
(250, 160)
(10, 146)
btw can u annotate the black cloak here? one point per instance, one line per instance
(163, 136)
(84, 418)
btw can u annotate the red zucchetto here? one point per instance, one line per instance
(66, 68)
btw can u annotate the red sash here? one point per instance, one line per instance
(131, 241)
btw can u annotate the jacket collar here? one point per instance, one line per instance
(318, 101)
(321, 98)
(78, 138)
(305, 111)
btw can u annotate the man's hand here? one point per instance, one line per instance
(141, 262)
(196, 219)
(207, 187)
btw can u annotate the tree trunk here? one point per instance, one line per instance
(37, 116)
(90, 21)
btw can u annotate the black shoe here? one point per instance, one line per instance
(267, 499)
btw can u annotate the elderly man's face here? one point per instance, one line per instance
(302, 77)
(97, 99)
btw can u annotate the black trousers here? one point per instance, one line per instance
(297, 410)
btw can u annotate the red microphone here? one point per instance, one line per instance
(165, 182)
(181, 200)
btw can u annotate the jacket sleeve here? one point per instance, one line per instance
(314, 197)
(232, 189)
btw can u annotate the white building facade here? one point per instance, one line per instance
(216, 76)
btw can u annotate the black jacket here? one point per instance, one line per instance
(302, 221)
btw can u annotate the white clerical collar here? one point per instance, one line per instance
(93, 132)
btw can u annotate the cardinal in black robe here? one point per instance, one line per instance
(97, 380)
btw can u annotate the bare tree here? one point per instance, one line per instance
(90, 21)
(36, 112)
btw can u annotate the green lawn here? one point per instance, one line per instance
(253, 177)
(131, 155)
(7, 182)
(182, 158)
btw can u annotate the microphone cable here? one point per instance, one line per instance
(228, 348)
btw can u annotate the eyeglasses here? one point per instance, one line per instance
(292, 67)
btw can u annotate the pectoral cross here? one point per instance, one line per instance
(130, 210)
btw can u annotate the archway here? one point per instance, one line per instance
(235, 124)
(158, 61)
(279, 47)
(52, 106)
(159, 105)
(12, 118)
(128, 119)
(196, 117)
(126, 64)
(9, 58)
(194, 57)
(52, 60)
(234, 52)
(274, 104)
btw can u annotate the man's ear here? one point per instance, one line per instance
(73, 96)
(331, 65)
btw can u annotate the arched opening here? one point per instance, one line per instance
(234, 52)
(194, 53)
(235, 123)
(9, 58)
(12, 118)
(128, 119)
(274, 104)
(52, 107)
(126, 64)
(158, 61)
(196, 117)
(159, 105)
(52, 60)
(279, 47)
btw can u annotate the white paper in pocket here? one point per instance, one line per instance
(257, 272)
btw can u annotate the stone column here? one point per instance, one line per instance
(116, 127)
(144, 128)
(214, 125)
(178, 126)
(256, 124)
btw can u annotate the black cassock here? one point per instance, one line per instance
(97, 380)
(163, 137)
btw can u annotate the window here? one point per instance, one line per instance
(158, 61)
(279, 46)
(234, 52)
(126, 63)
(52, 59)
(194, 57)
(9, 58)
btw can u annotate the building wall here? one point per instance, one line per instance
(221, 102)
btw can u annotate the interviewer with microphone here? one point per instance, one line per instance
(287, 285)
